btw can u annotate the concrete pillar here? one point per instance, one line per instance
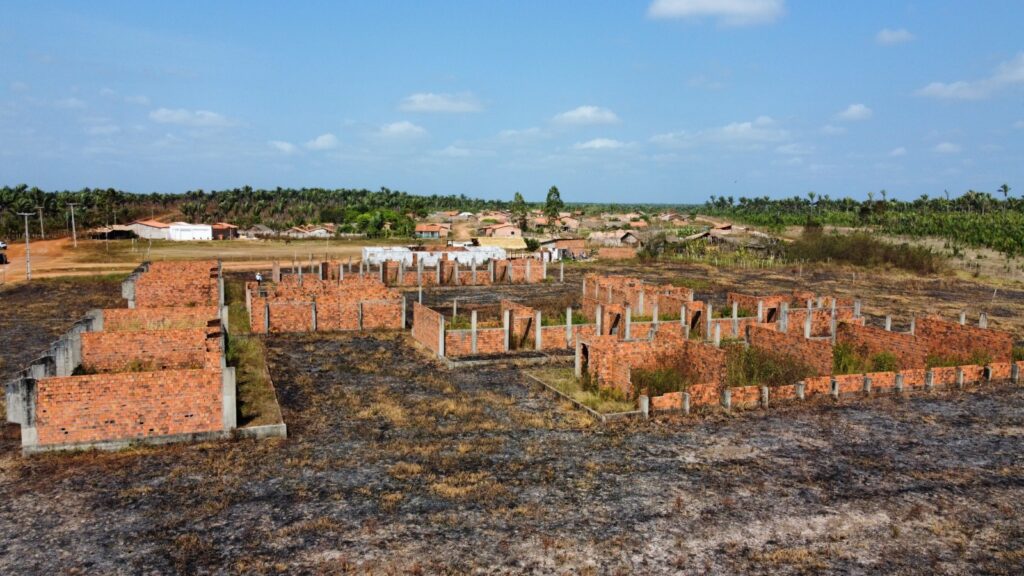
(1015, 373)
(898, 384)
(320, 270)
(561, 272)
(275, 272)
(220, 291)
(727, 398)
(807, 326)
(419, 274)
(856, 308)
(455, 307)
(707, 331)
(655, 314)
(506, 323)
(913, 324)
(735, 320)
(784, 317)
(578, 366)
(801, 388)
(229, 392)
(403, 312)
(341, 271)
(867, 385)
(983, 320)
(760, 311)
(360, 310)
(834, 388)
(266, 318)
(929, 380)
(764, 396)
(963, 318)
(528, 260)
(312, 309)
(437, 272)
(568, 326)
(599, 316)
(959, 377)
(538, 334)
(645, 406)
(640, 302)
(455, 272)
(419, 297)
(629, 322)
(544, 270)
(472, 267)
(380, 270)
(440, 338)
(686, 402)
(490, 270)
(683, 320)
(300, 275)
(401, 273)
(472, 331)
(718, 335)
(888, 323)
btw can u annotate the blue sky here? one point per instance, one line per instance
(663, 101)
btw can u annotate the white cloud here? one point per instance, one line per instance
(795, 149)
(402, 129)
(947, 148)
(855, 113)
(198, 118)
(69, 103)
(832, 130)
(450, 103)
(1009, 73)
(323, 142)
(599, 144)
(757, 133)
(587, 115)
(524, 134)
(896, 152)
(888, 36)
(283, 147)
(727, 12)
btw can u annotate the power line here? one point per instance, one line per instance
(74, 235)
(28, 257)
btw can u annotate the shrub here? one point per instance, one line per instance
(1018, 353)
(658, 381)
(757, 367)
(863, 249)
(885, 362)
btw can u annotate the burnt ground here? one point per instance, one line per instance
(396, 465)
(34, 314)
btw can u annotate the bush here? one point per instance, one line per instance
(1018, 353)
(976, 358)
(532, 244)
(757, 367)
(863, 249)
(659, 381)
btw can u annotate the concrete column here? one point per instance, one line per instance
(640, 302)
(807, 326)
(983, 320)
(888, 323)
(490, 270)
(801, 388)
(727, 398)
(760, 311)
(455, 272)
(683, 320)
(834, 388)
(538, 334)
(599, 316)
(455, 307)
(472, 331)
(784, 317)
(440, 338)
(403, 312)
(300, 275)
(544, 270)
(735, 320)
(561, 272)
(528, 260)
(578, 366)
(506, 322)
(312, 307)
(913, 324)
(963, 318)
(266, 318)
(645, 406)
(718, 335)
(383, 279)
(764, 396)
(419, 274)
(686, 402)
(472, 267)
(1015, 373)
(654, 315)
(401, 273)
(867, 385)
(629, 321)
(341, 271)
(362, 269)
(898, 384)
(929, 380)
(360, 316)
(959, 377)
(220, 291)
(708, 310)
(609, 294)
(856, 308)
(568, 326)
(320, 270)
(438, 271)
(229, 392)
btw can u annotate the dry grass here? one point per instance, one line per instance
(563, 380)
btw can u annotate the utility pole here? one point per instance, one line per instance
(28, 257)
(74, 235)
(42, 233)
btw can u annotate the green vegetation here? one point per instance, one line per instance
(658, 381)
(972, 219)
(553, 205)
(863, 249)
(257, 402)
(726, 312)
(559, 319)
(584, 391)
(1018, 353)
(848, 360)
(757, 367)
(975, 358)
(694, 284)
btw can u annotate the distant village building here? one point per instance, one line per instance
(431, 231)
(313, 231)
(258, 231)
(502, 231)
(614, 238)
(572, 248)
(224, 231)
(150, 229)
(183, 231)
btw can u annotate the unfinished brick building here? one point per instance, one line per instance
(154, 374)
(305, 303)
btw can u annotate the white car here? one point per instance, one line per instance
(3, 245)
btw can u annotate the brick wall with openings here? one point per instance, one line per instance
(817, 354)
(164, 318)
(425, 326)
(610, 360)
(460, 342)
(821, 320)
(522, 318)
(147, 350)
(945, 338)
(867, 341)
(337, 303)
(128, 405)
(177, 283)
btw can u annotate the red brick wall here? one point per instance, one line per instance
(815, 353)
(177, 284)
(910, 351)
(610, 359)
(124, 319)
(944, 338)
(821, 320)
(616, 253)
(460, 342)
(128, 405)
(425, 326)
(337, 303)
(287, 316)
(150, 350)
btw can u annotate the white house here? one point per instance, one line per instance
(150, 229)
(186, 231)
